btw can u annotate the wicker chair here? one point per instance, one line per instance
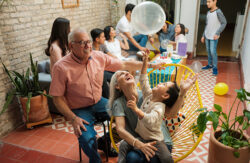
(186, 138)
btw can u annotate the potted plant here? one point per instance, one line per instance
(33, 100)
(228, 143)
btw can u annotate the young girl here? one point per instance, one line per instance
(58, 41)
(114, 45)
(180, 32)
(151, 113)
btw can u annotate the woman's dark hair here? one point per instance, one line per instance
(158, 33)
(95, 33)
(182, 28)
(173, 95)
(129, 7)
(60, 31)
(107, 32)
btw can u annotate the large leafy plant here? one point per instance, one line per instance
(231, 129)
(25, 84)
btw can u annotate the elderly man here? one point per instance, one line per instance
(76, 88)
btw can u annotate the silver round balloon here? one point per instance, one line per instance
(148, 18)
(196, 66)
(164, 43)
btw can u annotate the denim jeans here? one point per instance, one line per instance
(105, 87)
(137, 156)
(211, 46)
(87, 140)
(140, 39)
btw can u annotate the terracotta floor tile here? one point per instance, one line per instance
(14, 138)
(15, 153)
(73, 153)
(43, 132)
(55, 135)
(70, 139)
(31, 141)
(65, 160)
(6, 148)
(8, 160)
(31, 156)
(24, 131)
(47, 158)
(45, 145)
(59, 149)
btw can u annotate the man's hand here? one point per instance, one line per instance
(148, 149)
(202, 40)
(132, 104)
(186, 84)
(216, 37)
(77, 124)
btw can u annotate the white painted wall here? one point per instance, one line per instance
(245, 52)
(188, 14)
(238, 32)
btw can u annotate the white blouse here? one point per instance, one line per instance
(114, 48)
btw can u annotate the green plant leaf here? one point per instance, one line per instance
(41, 93)
(215, 119)
(241, 94)
(202, 121)
(236, 146)
(239, 119)
(224, 115)
(28, 105)
(27, 75)
(218, 107)
(224, 126)
(244, 143)
(8, 73)
(245, 125)
(247, 114)
(236, 154)
(224, 135)
(8, 100)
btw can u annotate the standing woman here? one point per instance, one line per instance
(113, 44)
(58, 41)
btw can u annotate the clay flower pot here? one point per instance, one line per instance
(220, 153)
(38, 108)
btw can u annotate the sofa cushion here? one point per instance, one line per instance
(41, 66)
(47, 67)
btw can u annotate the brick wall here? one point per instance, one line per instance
(25, 27)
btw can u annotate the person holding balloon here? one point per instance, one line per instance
(136, 42)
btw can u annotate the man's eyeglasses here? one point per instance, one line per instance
(82, 43)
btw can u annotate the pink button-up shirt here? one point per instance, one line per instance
(81, 84)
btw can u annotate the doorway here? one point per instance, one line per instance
(232, 10)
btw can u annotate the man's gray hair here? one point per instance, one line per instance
(71, 36)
